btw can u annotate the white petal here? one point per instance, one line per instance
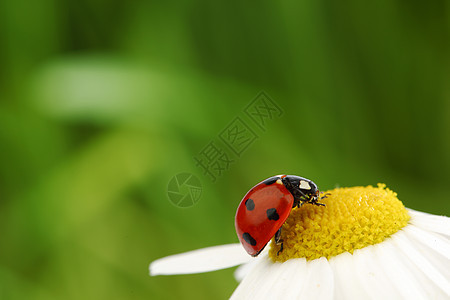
(297, 269)
(201, 260)
(293, 280)
(248, 285)
(435, 248)
(398, 272)
(372, 277)
(439, 224)
(319, 283)
(268, 280)
(347, 284)
(435, 242)
(286, 280)
(436, 284)
(244, 269)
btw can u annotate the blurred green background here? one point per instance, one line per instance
(103, 102)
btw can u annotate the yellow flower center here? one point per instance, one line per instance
(353, 218)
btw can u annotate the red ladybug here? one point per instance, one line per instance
(264, 209)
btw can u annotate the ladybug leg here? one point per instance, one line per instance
(315, 199)
(278, 236)
(300, 200)
(298, 203)
(314, 202)
(278, 240)
(281, 249)
(325, 196)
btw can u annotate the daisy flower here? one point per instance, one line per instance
(364, 244)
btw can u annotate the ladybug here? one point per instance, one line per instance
(264, 209)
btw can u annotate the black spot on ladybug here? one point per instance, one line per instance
(250, 204)
(272, 214)
(249, 239)
(270, 180)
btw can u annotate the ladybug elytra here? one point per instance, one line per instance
(264, 209)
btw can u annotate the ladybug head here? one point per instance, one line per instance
(302, 189)
(316, 196)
